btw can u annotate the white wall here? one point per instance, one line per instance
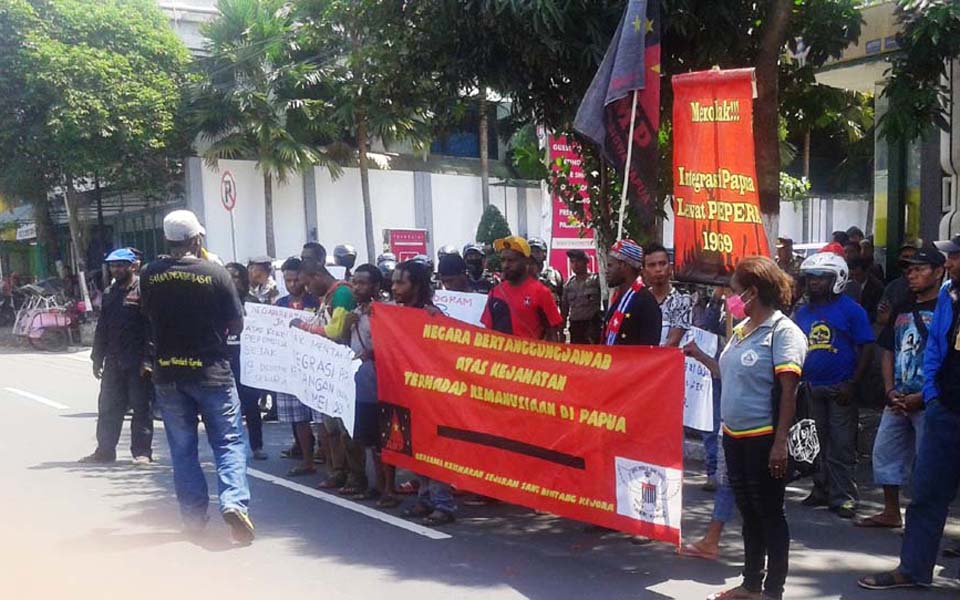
(248, 215)
(340, 207)
(456, 203)
(289, 231)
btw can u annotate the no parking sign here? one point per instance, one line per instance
(228, 191)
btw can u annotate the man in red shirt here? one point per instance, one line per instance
(521, 305)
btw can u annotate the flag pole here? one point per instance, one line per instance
(626, 167)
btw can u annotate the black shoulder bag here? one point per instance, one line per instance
(803, 441)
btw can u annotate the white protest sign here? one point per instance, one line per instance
(265, 356)
(323, 376)
(462, 306)
(278, 358)
(698, 397)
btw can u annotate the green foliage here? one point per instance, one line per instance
(89, 88)
(249, 101)
(364, 50)
(493, 226)
(559, 46)
(917, 96)
(525, 153)
(793, 189)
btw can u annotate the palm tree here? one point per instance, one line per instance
(251, 100)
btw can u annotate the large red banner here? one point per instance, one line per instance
(592, 433)
(716, 205)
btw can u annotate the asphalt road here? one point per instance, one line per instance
(73, 531)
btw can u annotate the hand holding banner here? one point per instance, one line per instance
(587, 432)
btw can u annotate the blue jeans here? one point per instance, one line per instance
(936, 476)
(711, 439)
(898, 440)
(436, 495)
(724, 501)
(181, 404)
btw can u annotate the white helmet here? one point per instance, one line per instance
(827, 263)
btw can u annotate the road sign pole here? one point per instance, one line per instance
(233, 236)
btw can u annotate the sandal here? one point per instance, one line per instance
(737, 593)
(887, 580)
(350, 490)
(389, 502)
(300, 471)
(439, 517)
(366, 495)
(694, 551)
(875, 522)
(291, 453)
(418, 510)
(331, 483)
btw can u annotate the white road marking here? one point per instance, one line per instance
(433, 534)
(37, 398)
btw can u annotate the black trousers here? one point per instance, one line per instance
(766, 536)
(120, 390)
(250, 408)
(585, 332)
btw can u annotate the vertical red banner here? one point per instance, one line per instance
(566, 231)
(716, 203)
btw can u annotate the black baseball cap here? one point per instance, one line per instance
(949, 246)
(576, 255)
(927, 255)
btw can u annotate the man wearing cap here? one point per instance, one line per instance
(786, 259)
(521, 305)
(634, 316)
(897, 292)
(580, 302)
(936, 472)
(262, 284)
(192, 307)
(452, 273)
(479, 279)
(120, 361)
(902, 346)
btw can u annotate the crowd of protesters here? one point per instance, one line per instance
(794, 329)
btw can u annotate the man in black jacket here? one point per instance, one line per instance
(119, 361)
(634, 317)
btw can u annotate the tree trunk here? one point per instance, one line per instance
(46, 232)
(484, 149)
(766, 114)
(268, 214)
(101, 234)
(365, 187)
(78, 240)
(806, 155)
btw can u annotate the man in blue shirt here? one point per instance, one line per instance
(936, 474)
(840, 348)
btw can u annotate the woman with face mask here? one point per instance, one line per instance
(765, 352)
